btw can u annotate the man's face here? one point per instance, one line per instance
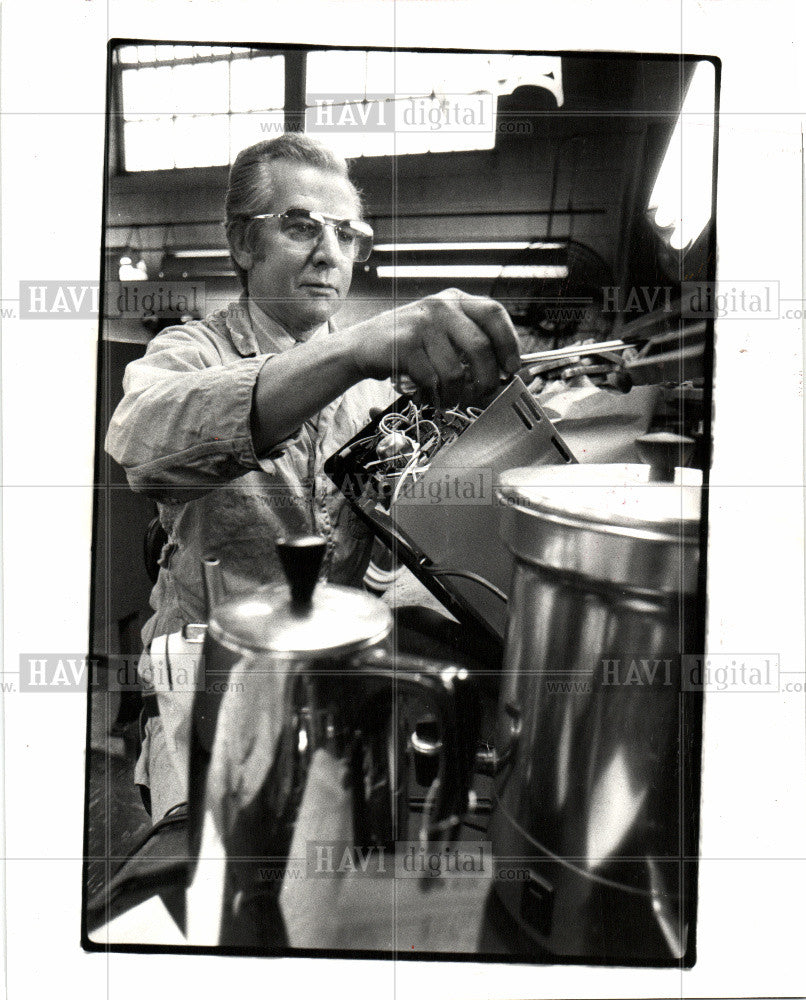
(301, 285)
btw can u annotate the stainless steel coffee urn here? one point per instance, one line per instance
(596, 749)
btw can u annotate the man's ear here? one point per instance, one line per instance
(242, 258)
(238, 244)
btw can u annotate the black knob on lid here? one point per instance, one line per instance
(663, 452)
(301, 559)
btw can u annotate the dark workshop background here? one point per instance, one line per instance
(581, 172)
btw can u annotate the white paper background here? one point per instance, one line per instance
(753, 875)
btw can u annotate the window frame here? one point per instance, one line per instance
(116, 89)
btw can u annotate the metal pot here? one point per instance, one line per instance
(595, 758)
(292, 672)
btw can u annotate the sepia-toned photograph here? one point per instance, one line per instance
(400, 519)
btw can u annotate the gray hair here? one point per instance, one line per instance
(250, 180)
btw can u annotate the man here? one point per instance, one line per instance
(227, 422)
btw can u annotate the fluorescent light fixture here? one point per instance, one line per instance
(210, 274)
(490, 271)
(197, 254)
(681, 197)
(419, 247)
(533, 271)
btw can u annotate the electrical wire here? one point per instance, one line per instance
(405, 442)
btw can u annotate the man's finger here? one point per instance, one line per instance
(494, 320)
(475, 347)
(421, 371)
(447, 365)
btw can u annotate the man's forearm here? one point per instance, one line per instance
(293, 386)
(452, 345)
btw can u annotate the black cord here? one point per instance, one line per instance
(467, 575)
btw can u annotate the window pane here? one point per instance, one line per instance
(149, 144)
(183, 51)
(148, 92)
(199, 97)
(201, 141)
(127, 54)
(380, 72)
(257, 83)
(245, 130)
(334, 72)
(252, 88)
(201, 89)
(451, 77)
(466, 73)
(415, 72)
(146, 53)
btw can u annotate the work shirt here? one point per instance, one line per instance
(182, 433)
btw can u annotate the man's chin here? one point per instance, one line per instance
(313, 314)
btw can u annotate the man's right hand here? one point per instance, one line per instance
(453, 346)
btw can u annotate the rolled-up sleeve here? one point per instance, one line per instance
(183, 425)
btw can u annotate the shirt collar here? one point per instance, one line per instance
(253, 332)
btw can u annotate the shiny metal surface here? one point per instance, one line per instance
(283, 677)
(608, 523)
(454, 524)
(338, 621)
(617, 496)
(297, 620)
(575, 351)
(593, 743)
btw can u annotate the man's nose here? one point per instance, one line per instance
(327, 247)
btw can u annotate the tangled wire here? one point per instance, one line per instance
(406, 442)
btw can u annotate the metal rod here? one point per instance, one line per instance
(573, 351)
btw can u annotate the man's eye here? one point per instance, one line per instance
(346, 236)
(302, 230)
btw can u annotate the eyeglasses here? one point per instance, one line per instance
(298, 224)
